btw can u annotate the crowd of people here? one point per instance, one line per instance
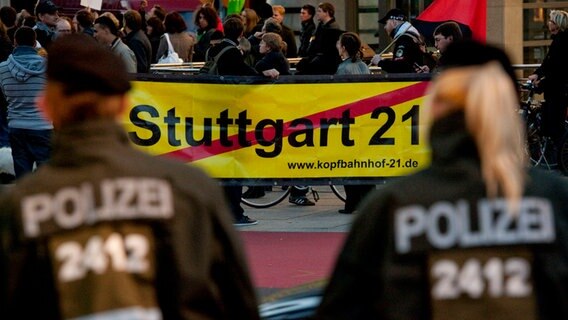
(101, 230)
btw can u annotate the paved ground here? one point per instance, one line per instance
(294, 245)
(287, 217)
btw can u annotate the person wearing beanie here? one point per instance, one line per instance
(22, 79)
(105, 231)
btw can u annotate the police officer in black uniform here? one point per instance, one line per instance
(104, 231)
(476, 235)
(407, 54)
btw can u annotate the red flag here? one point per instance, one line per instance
(469, 12)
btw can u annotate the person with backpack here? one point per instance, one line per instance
(228, 60)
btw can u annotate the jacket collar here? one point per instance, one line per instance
(90, 140)
(450, 140)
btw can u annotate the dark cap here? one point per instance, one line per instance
(45, 6)
(395, 14)
(83, 65)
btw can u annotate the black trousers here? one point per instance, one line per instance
(554, 114)
(233, 197)
(355, 194)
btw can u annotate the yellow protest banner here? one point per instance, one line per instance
(283, 130)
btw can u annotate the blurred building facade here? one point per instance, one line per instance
(518, 26)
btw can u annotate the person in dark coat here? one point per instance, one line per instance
(47, 14)
(271, 48)
(137, 40)
(84, 21)
(287, 34)
(206, 23)
(322, 56)
(263, 9)
(407, 54)
(552, 78)
(105, 231)
(308, 28)
(231, 62)
(450, 241)
(270, 25)
(8, 17)
(154, 31)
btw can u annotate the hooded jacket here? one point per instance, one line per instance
(22, 78)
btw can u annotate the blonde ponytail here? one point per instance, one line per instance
(488, 99)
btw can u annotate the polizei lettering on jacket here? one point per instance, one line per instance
(112, 199)
(446, 225)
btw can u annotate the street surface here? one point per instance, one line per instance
(294, 245)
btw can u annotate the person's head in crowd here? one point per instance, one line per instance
(272, 25)
(206, 18)
(307, 12)
(25, 36)
(488, 100)
(105, 30)
(393, 19)
(244, 45)
(558, 21)
(251, 19)
(325, 12)
(112, 17)
(216, 37)
(233, 29)
(236, 16)
(83, 19)
(210, 4)
(349, 46)
(47, 12)
(85, 82)
(63, 26)
(270, 42)
(278, 13)
(157, 11)
(263, 9)
(8, 16)
(154, 27)
(472, 53)
(174, 23)
(445, 34)
(29, 21)
(132, 21)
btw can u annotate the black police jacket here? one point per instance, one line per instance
(433, 246)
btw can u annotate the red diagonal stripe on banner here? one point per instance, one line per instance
(364, 106)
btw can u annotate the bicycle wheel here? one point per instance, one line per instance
(270, 198)
(563, 155)
(339, 191)
(534, 145)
